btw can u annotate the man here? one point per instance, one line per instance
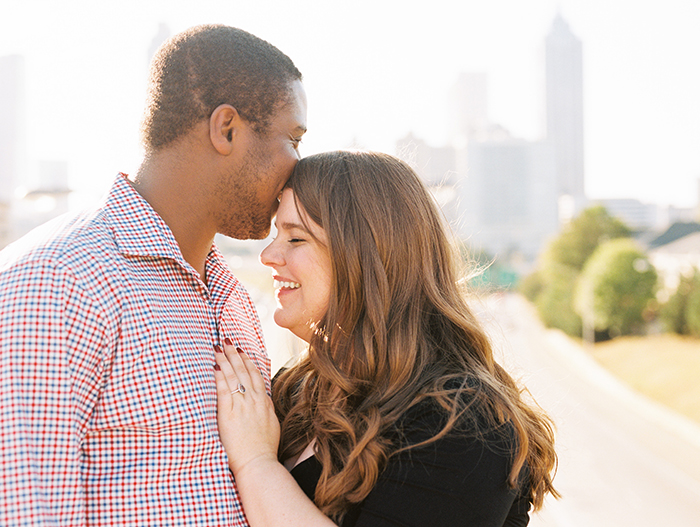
(108, 320)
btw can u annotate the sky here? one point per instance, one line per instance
(376, 70)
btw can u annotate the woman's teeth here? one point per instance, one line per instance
(286, 285)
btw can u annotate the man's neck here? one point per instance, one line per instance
(164, 181)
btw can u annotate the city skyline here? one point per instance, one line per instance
(564, 113)
(375, 73)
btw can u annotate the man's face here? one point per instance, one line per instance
(260, 171)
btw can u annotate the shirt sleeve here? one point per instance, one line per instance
(457, 480)
(51, 345)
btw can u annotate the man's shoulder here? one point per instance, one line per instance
(69, 241)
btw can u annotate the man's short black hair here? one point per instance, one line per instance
(199, 69)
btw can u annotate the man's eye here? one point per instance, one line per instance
(296, 240)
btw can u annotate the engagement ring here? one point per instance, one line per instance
(239, 389)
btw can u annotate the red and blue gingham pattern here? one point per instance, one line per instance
(107, 391)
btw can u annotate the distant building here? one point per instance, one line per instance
(564, 106)
(636, 215)
(508, 199)
(499, 195)
(161, 36)
(502, 195)
(5, 225)
(12, 124)
(437, 168)
(53, 177)
(469, 105)
(648, 220)
(671, 214)
(435, 165)
(48, 200)
(680, 257)
(674, 232)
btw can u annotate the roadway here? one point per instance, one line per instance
(623, 460)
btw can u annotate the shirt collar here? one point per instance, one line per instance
(220, 279)
(140, 231)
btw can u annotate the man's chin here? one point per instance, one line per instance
(255, 232)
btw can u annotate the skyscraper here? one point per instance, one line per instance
(469, 105)
(508, 200)
(11, 123)
(564, 103)
(161, 36)
(11, 136)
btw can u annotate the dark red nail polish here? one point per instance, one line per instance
(217, 367)
(228, 341)
(218, 349)
(239, 350)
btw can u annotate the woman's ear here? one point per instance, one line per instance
(223, 125)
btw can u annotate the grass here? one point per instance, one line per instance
(666, 368)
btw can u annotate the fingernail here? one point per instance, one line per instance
(217, 367)
(239, 350)
(228, 341)
(218, 349)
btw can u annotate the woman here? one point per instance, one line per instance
(397, 414)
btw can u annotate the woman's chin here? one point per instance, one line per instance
(303, 335)
(302, 331)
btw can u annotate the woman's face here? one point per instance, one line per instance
(301, 269)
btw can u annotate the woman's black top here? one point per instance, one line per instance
(458, 480)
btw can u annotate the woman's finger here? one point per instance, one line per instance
(256, 378)
(223, 390)
(248, 426)
(236, 362)
(224, 366)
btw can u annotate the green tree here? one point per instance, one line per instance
(692, 310)
(552, 284)
(531, 285)
(674, 313)
(554, 302)
(615, 287)
(580, 238)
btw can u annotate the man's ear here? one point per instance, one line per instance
(223, 126)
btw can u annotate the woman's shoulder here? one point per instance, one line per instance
(474, 425)
(455, 479)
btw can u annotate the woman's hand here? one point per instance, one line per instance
(248, 426)
(250, 433)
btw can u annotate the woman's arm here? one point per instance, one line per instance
(250, 432)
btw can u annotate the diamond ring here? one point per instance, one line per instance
(239, 389)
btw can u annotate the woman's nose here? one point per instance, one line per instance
(270, 256)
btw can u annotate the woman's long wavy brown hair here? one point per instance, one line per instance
(398, 330)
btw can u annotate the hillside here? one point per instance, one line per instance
(663, 367)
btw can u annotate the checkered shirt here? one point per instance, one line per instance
(107, 390)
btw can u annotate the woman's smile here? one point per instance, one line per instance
(301, 268)
(282, 284)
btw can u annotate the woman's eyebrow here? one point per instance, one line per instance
(287, 225)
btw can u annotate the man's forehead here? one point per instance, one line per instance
(297, 106)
